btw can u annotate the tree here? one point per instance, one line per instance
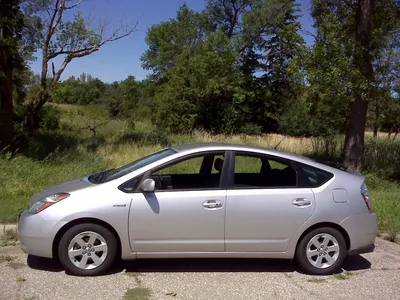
(350, 36)
(69, 39)
(387, 76)
(280, 46)
(11, 26)
(242, 84)
(374, 22)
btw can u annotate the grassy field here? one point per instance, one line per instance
(76, 151)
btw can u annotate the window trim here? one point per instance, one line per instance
(222, 181)
(291, 163)
(121, 186)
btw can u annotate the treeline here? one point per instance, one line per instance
(243, 66)
(128, 98)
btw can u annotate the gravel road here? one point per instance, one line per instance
(371, 276)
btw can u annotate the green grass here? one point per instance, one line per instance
(73, 152)
(22, 177)
(386, 203)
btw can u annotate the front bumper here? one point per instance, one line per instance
(36, 235)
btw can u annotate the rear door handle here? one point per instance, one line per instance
(212, 204)
(301, 202)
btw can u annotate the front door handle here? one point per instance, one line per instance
(301, 202)
(212, 204)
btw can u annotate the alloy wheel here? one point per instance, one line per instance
(87, 250)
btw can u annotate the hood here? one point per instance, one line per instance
(65, 187)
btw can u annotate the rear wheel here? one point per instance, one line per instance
(87, 250)
(321, 251)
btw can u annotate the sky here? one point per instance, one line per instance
(116, 60)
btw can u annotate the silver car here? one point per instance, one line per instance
(203, 200)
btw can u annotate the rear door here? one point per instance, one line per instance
(264, 206)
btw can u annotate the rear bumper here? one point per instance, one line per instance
(362, 230)
(361, 250)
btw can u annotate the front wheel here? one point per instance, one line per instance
(321, 251)
(87, 250)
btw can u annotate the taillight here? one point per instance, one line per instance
(367, 199)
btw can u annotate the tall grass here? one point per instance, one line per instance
(74, 151)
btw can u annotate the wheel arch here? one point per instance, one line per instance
(72, 223)
(326, 224)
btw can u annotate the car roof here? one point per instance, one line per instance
(237, 147)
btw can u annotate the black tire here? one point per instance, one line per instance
(301, 257)
(74, 231)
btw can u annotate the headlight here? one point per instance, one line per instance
(44, 203)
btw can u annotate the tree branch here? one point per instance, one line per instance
(74, 5)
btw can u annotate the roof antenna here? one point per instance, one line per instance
(276, 147)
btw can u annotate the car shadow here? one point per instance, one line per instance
(44, 264)
(206, 265)
(356, 263)
(199, 265)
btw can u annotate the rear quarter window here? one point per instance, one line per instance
(316, 177)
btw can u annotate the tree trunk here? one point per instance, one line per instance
(355, 131)
(6, 111)
(377, 116)
(354, 141)
(6, 75)
(31, 120)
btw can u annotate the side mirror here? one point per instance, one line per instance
(148, 185)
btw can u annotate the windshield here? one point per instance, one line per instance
(121, 171)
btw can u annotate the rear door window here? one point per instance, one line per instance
(253, 171)
(316, 177)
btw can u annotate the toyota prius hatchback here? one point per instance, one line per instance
(203, 200)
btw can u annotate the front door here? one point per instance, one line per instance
(264, 206)
(186, 213)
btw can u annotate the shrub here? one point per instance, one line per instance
(49, 117)
(251, 129)
(382, 156)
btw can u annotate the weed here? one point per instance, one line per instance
(288, 275)
(6, 258)
(31, 298)
(393, 235)
(9, 237)
(136, 276)
(173, 294)
(21, 279)
(340, 276)
(344, 275)
(317, 280)
(137, 294)
(15, 265)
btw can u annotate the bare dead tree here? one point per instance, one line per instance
(68, 39)
(93, 128)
